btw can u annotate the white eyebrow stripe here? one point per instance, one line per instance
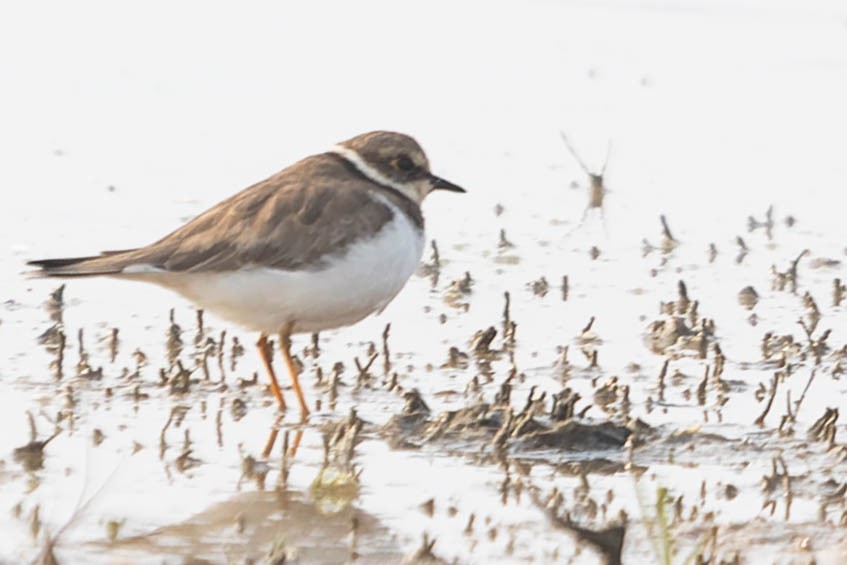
(356, 160)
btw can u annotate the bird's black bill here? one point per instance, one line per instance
(439, 183)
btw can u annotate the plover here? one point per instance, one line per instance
(319, 245)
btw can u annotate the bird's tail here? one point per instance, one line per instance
(107, 263)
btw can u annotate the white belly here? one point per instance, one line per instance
(350, 288)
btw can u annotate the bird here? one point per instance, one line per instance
(322, 244)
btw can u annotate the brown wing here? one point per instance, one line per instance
(291, 220)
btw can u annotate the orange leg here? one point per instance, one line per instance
(269, 445)
(285, 347)
(266, 354)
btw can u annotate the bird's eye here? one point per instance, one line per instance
(403, 163)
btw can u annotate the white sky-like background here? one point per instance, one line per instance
(707, 103)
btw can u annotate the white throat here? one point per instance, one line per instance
(407, 189)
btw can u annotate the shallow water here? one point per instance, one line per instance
(117, 130)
